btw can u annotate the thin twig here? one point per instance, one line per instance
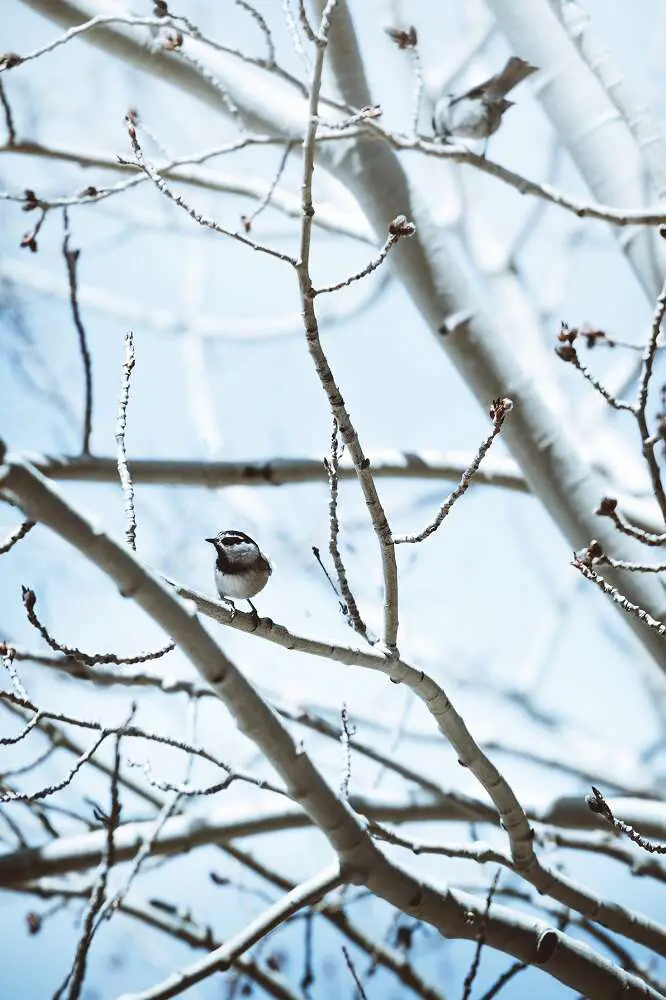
(567, 352)
(292, 28)
(16, 536)
(265, 30)
(498, 413)
(345, 740)
(348, 601)
(248, 220)
(7, 654)
(599, 805)
(202, 220)
(143, 853)
(30, 601)
(8, 795)
(608, 508)
(631, 609)
(71, 260)
(40, 719)
(350, 965)
(29, 239)
(307, 979)
(398, 229)
(121, 424)
(480, 941)
(502, 980)
(98, 895)
(306, 894)
(641, 403)
(305, 21)
(9, 118)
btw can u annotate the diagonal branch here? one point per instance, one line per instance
(222, 958)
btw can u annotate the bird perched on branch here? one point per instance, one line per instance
(477, 114)
(241, 568)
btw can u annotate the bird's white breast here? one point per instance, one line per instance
(245, 584)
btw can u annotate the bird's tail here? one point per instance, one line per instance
(515, 71)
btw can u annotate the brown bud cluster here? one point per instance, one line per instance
(29, 242)
(566, 338)
(607, 507)
(592, 554)
(400, 227)
(596, 803)
(30, 201)
(499, 409)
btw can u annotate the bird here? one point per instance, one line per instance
(241, 568)
(477, 113)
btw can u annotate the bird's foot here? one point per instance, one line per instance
(232, 607)
(255, 615)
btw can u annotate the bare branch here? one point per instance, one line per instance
(399, 229)
(74, 980)
(121, 424)
(608, 508)
(503, 979)
(16, 536)
(641, 404)
(345, 740)
(426, 465)
(348, 601)
(305, 894)
(481, 940)
(567, 352)
(71, 260)
(177, 199)
(305, 21)
(350, 965)
(30, 602)
(623, 602)
(8, 653)
(599, 805)
(498, 413)
(9, 118)
(330, 217)
(248, 220)
(57, 786)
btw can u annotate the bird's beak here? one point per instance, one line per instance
(211, 540)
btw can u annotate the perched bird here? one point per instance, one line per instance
(241, 568)
(477, 113)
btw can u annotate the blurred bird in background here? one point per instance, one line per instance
(477, 114)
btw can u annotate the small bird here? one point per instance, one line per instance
(241, 568)
(477, 113)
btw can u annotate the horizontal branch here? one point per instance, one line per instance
(219, 826)
(386, 463)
